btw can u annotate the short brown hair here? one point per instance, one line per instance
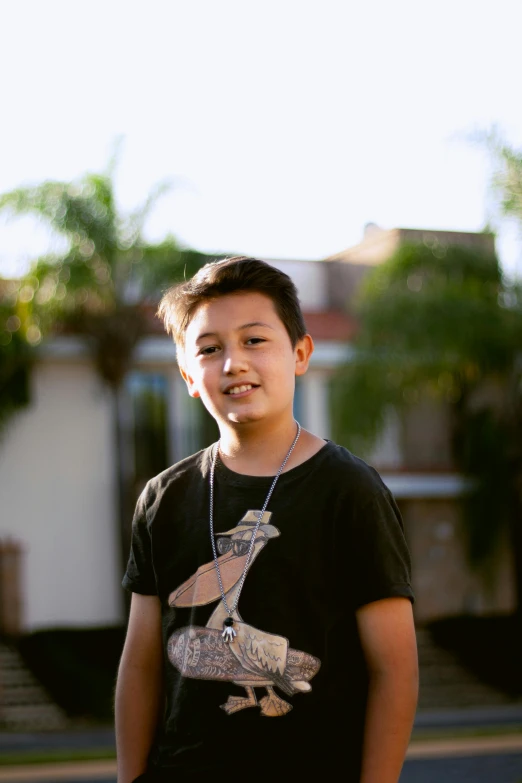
(232, 275)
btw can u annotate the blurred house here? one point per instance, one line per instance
(414, 456)
(57, 466)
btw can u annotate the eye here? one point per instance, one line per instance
(255, 340)
(207, 350)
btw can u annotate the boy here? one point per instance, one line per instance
(241, 663)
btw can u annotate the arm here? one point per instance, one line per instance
(388, 640)
(139, 688)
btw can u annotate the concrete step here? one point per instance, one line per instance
(24, 704)
(446, 684)
(16, 677)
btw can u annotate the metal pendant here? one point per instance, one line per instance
(228, 632)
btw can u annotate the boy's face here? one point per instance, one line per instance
(239, 359)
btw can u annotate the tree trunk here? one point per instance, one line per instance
(516, 551)
(124, 456)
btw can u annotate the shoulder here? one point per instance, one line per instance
(185, 468)
(178, 476)
(352, 473)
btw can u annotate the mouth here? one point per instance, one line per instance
(240, 389)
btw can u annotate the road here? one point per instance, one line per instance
(490, 759)
(503, 767)
(495, 768)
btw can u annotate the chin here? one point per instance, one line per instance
(244, 418)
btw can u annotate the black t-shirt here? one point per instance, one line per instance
(288, 694)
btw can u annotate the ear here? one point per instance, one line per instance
(191, 386)
(303, 351)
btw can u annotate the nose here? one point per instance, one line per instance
(235, 361)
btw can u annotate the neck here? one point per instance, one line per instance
(259, 452)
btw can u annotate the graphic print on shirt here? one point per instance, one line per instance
(255, 658)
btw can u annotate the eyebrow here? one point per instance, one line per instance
(244, 326)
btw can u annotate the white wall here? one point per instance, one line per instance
(57, 497)
(315, 403)
(310, 280)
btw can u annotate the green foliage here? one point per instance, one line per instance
(361, 394)
(15, 362)
(441, 322)
(439, 306)
(95, 287)
(166, 263)
(107, 261)
(483, 448)
(18, 332)
(433, 320)
(507, 177)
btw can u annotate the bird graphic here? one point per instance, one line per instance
(254, 658)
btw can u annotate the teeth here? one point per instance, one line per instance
(239, 389)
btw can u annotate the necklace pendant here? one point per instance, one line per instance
(228, 632)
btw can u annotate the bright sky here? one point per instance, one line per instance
(286, 124)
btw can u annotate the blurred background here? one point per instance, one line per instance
(374, 153)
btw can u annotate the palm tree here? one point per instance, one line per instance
(506, 181)
(443, 322)
(99, 288)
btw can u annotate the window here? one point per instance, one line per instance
(147, 396)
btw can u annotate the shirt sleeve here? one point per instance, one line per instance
(380, 562)
(139, 576)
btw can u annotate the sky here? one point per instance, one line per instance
(285, 126)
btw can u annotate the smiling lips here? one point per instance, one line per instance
(240, 389)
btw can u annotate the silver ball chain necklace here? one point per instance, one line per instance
(228, 630)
